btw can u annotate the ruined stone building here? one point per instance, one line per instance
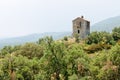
(81, 27)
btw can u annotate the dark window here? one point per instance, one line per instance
(78, 27)
(78, 31)
(88, 25)
(80, 24)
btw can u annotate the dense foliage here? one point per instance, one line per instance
(116, 33)
(96, 58)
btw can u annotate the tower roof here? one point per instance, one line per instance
(80, 18)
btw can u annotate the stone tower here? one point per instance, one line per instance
(81, 27)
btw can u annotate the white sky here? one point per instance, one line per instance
(23, 17)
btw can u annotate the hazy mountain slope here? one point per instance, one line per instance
(107, 24)
(31, 38)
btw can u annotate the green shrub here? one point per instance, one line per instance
(116, 33)
(96, 47)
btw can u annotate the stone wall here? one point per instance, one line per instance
(81, 27)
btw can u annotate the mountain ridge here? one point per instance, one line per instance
(104, 25)
(32, 38)
(107, 24)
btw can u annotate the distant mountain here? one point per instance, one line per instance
(32, 38)
(107, 24)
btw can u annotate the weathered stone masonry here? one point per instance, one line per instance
(81, 27)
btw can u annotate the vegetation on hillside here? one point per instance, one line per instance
(95, 58)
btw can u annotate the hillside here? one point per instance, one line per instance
(92, 59)
(107, 24)
(31, 38)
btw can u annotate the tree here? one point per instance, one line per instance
(116, 33)
(9, 50)
(100, 37)
(115, 59)
(77, 61)
(77, 38)
(6, 50)
(105, 65)
(30, 50)
(66, 38)
(53, 60)
(19, 68)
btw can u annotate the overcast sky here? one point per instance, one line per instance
(23, 17)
